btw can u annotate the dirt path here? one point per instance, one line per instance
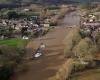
(47, 65)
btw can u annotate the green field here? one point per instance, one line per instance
(6, 1)
(13, 42)
(87, 75)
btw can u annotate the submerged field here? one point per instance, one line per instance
(87, 75)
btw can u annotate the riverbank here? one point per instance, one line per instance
(93, 74)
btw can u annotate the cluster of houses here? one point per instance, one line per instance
(32, 25)
(90, 23)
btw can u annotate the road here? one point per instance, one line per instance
(47, 65)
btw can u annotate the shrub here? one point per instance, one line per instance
(78, 67)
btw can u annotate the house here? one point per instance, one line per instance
(91, 25)
(25, 10)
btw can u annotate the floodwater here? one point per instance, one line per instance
(71, 19)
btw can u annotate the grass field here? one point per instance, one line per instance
(5, 1)
(87, 75)
(13, 42)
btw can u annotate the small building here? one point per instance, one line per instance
(25, 10)
(91, 25)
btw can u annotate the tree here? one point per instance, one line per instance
(71, 40)
(12, 14)
(82, 50)
(10, 57)
(10, 31)
(24, 31)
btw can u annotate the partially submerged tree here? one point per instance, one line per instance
(83, 49)
(71, 40)
(10, 58)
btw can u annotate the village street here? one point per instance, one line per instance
(47, 65)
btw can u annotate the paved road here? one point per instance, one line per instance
(47, 65)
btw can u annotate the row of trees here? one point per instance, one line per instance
(14, 15)
(81, 48)
(70, 41)
(11, 14)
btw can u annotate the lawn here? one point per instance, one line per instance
(87, 75)
(13, 42)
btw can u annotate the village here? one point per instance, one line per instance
(37, 25)
(29, 26)
(50, 42)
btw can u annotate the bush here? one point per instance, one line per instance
(78, 67)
